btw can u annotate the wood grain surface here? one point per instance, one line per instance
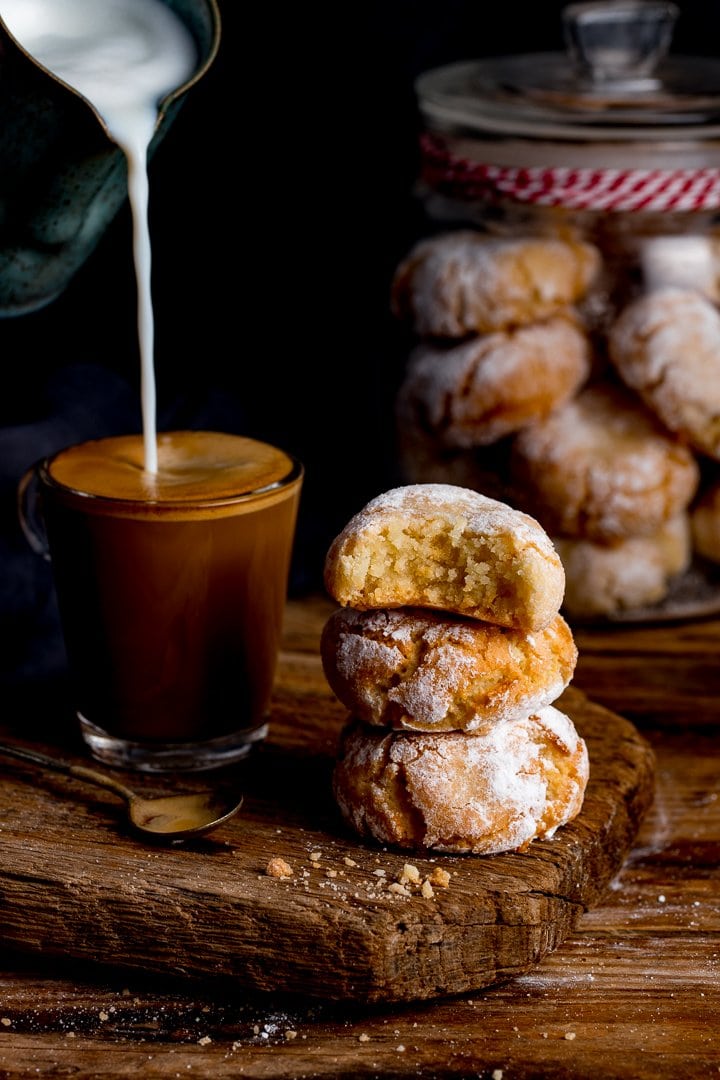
(337, 927)
(632, 991)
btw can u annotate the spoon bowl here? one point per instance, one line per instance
(164, 817)
(179, 816)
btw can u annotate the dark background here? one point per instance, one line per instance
(281, 201)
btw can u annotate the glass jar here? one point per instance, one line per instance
(612, 148)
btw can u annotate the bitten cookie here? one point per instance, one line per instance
(605, 579)
(449, 548)
(465, 282)
(419, 670)
(454, 792)
(602, 468)
(493, 385)
(666, 346)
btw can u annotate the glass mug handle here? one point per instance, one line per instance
(29, 505)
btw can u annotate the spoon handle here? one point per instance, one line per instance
(79, 771)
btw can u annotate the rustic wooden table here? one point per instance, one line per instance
(633, 991)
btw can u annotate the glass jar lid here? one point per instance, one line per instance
(615, 82)
(613, 123)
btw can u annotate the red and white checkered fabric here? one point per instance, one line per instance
(575, 189)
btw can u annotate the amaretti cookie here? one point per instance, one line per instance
(449, 548)
(685, 261)
(462, 793)
(666, 346)
(603, 468)
(606, 579)
(465, 282)
(476, 392)
(425, 671)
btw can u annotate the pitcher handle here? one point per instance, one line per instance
(29, 506)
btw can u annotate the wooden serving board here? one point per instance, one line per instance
(74, 883)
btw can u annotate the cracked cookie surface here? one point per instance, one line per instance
(603, 468)
(426, 671)
(465, 282)
(666, 346)
(461, 793)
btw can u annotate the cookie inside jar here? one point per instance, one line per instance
(564, 293)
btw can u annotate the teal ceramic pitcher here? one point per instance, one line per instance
(62, 179)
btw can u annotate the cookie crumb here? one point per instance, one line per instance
(315, 856)
(397, 889)
(204, 1041)
(427, 890)
(363, 1037)
(570, 1035)
(278, 868)
(497, 1074)
(6, 1021)
(410, 875)
(440, 877)
(348, 861)
(290, 1034)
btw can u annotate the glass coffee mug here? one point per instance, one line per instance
(171, 588)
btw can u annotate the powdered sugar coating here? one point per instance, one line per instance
(420, 670)
(455, 792)
(603, 468)
(666, 346)
(683, 261)
(449, 548)
(604, 579)
(493, 385)
(463, 282)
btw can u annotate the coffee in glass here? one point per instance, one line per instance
(172, 588)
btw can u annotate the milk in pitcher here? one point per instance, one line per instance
(124, 57)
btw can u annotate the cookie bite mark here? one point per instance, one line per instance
(449, 548)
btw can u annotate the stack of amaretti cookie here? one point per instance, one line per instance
(448, 650)
(597, 414)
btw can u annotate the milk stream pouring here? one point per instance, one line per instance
(123, 56)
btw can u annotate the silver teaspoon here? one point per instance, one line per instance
(168, 817)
